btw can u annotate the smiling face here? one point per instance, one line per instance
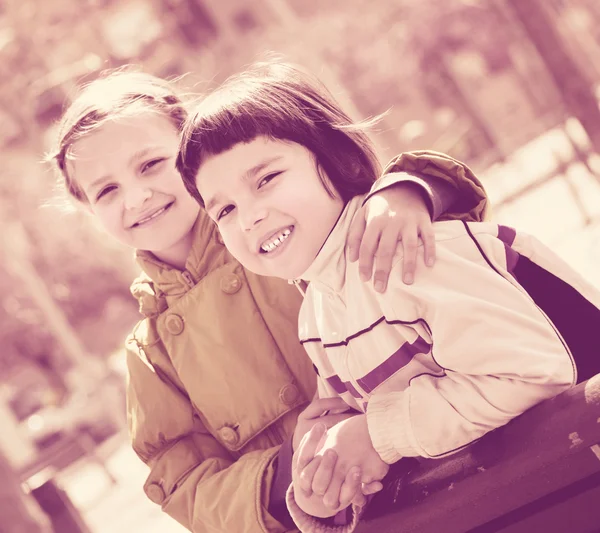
(127, 171)
(270, 205)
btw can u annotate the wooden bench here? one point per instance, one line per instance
(539, 473)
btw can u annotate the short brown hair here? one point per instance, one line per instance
(279, 101)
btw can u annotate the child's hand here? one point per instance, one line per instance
(398, 213)
(352, 443)
(330, 482)
(312, 475)
(328, 411)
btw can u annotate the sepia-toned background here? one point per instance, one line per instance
(509, 86)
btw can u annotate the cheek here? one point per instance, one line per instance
(317, 206)
(234, 240)
(109, 218)
(169, 181)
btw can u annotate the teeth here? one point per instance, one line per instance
(153, 215)
(274, 243)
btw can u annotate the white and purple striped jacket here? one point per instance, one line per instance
(499, 324)
(437, 364)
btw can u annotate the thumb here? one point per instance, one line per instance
(332, 420)
(372, 487)
(308, 447)
(322, 405)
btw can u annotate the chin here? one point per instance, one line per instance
(269, 270)
(270, 273)
(289, 275)
(161, 247)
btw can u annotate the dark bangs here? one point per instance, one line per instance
(280, 102)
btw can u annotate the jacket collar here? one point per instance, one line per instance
(173, 282)
(329, 267)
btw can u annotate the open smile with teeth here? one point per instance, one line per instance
(275, 241)
(151, 217)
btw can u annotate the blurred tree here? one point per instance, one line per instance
(65, 269)
(23, 335)
(193, 20)
(19, 512)
(572, 82)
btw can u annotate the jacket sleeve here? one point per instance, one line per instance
(309, 524)
(193, 477)
(499, 353)
(450, 188)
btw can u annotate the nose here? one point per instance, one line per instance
(136, 196)
(251, 217)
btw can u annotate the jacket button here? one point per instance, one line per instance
(155, 493)
(174, 324)
(289, 394)
(229, 435)
(230, 284)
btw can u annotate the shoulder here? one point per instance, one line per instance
(455, 236)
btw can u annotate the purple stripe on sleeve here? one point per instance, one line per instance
(392, 364)
(340, 386)
(506, 234)
(337, 384)
(350, 388)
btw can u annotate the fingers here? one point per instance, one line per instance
(324, 474)
(351, 490)
(379, 246)
(317, 407)
(366, 254)
(410, 243)
(384, 257)
(374, 470)
(337, 489)
(386, 251)
(355, 234)
(308, 446)
(428, 238)
(332, 420)
(306, 477)
(359, 499)
(371, 488)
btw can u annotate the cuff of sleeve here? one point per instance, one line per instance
(389, 426)
(310, 524)
(434, 204)
(470, 201)
(281, 481)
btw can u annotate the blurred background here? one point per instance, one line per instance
(509, 86)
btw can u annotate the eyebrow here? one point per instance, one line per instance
(250, 174)
(257, 169)
(135, 157)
